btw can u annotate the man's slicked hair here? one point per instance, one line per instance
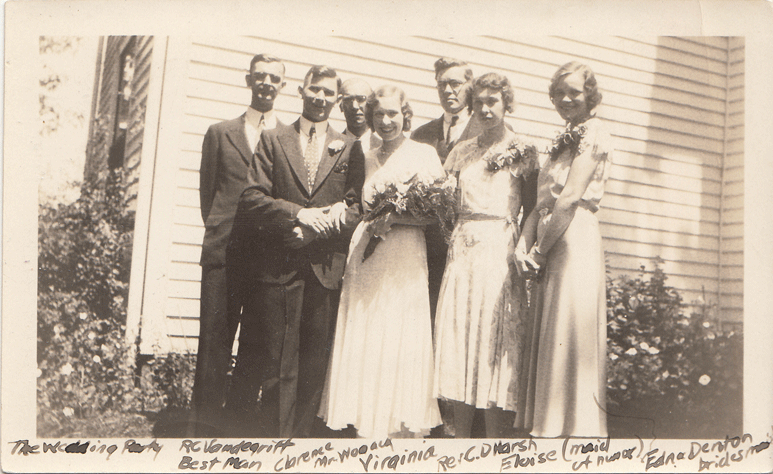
(442, 64)
(266, 58)
(322, 71)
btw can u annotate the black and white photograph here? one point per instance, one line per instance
(366, 248)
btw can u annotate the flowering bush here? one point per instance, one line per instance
(669, 362)
(87, 384)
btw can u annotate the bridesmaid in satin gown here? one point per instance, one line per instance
(561, 241)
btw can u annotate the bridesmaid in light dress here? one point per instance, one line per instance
(561, 241)
(482, 327)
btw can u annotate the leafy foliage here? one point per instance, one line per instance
(86, 370)
(666, 360)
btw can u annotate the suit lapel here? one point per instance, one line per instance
(327, 160)
(289, 139)
(238, 138)
(439, 135)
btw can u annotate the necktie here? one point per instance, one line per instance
(445, 146)
(454, 119)
(261, 126)
(311, 157)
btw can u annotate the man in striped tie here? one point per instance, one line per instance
(225, 157)
(302, 204)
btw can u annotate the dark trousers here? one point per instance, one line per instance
(218, 320)
(436, 265)
(284, 347)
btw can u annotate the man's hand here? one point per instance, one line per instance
(337, 215)
(318, 220)
(301, 237)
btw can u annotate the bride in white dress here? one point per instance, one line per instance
(381, 367)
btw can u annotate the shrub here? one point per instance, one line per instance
(669, 362)
(86, 373)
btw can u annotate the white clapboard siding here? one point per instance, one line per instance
(673, 105)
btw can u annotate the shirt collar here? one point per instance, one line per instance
(319, 127)
(463, 115)
(253, 118)
(365, 136)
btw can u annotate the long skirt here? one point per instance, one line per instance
(566, 394)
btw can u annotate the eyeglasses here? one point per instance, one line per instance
(261, 77)
(455, 85)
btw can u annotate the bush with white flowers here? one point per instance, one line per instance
(668, 361)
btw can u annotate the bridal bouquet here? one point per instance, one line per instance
(421, 197)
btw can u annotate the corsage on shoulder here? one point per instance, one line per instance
(522, 158)
(571, 139)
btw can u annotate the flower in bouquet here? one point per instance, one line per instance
(522, 158)
(421, 197)
(571, 138)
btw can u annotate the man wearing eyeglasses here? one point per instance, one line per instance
(225, 160)
(354, 93)
(454, 84)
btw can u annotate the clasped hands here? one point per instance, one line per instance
(529, 264)
(319, 222)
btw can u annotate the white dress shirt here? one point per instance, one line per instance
(320, 128)
(458, 128)
(369, 140)
(252, 125)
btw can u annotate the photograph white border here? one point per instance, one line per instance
(25, 21)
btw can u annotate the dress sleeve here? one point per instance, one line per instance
(598, 142)
(599, 147)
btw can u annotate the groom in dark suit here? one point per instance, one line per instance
(225, 160)
(302, 204)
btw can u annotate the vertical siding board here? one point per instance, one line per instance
(731, 242)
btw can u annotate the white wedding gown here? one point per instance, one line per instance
(381, 367)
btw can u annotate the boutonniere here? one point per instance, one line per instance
(341, 167)
(568, 139)
(521, 156)
(335, 146)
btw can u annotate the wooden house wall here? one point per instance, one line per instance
(104, 114)
(673, 105)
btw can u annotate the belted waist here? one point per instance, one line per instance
(477, 216)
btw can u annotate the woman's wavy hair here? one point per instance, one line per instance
(388, 91)
(590, 88)
(495, 82)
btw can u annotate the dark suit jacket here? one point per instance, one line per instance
(226, 157)
(278, 189)
(431, 133)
